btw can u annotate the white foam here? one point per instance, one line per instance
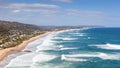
(109, 56)
(43, 57)
(69, 48)
(75, 59)
(44, 48)
(101, 55)
(65, 38)
(78, 34)
(32, 46)
(75, 33)
(57, 38)
(30, 59)
(81, 34)
(53, 65)
(61, 46)
(108, 46)
(89, 37)
(69, 38)
(63, 57)
(23, 60)
(47, 44)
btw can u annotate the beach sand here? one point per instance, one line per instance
(6, 55)
(5, 52)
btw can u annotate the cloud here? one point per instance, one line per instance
(65, 1)
(54, 9)
(16, 11)
(50, 9)
(85, 14)
(41, 11)
(35, 5)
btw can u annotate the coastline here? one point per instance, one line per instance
(5, 55)
(5, 52)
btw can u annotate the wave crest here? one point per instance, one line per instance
(108, 46)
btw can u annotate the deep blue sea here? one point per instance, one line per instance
(78, 48)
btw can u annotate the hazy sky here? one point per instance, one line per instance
(62, 12)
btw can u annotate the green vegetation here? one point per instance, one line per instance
(14, 33)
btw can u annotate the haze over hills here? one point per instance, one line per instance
(18, 26)
(11, 25)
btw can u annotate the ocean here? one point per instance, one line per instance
(77, 48)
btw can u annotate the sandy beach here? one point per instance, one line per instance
(7, 51)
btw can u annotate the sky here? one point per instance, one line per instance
(62, 12)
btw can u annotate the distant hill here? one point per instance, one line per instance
(8, 25)
(18, 26)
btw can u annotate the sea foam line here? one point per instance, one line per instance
(108, 46)
(101, 55)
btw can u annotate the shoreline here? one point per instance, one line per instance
(5, 52)
(4, 59)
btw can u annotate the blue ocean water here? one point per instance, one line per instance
(78, 48)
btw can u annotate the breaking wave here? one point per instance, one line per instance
(108, 46)
(42, 57)
(101, 55)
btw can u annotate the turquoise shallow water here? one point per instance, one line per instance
(81, 48)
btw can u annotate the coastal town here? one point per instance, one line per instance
(12, 34)
(15, 39)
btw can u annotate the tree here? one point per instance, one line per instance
(3, 30)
